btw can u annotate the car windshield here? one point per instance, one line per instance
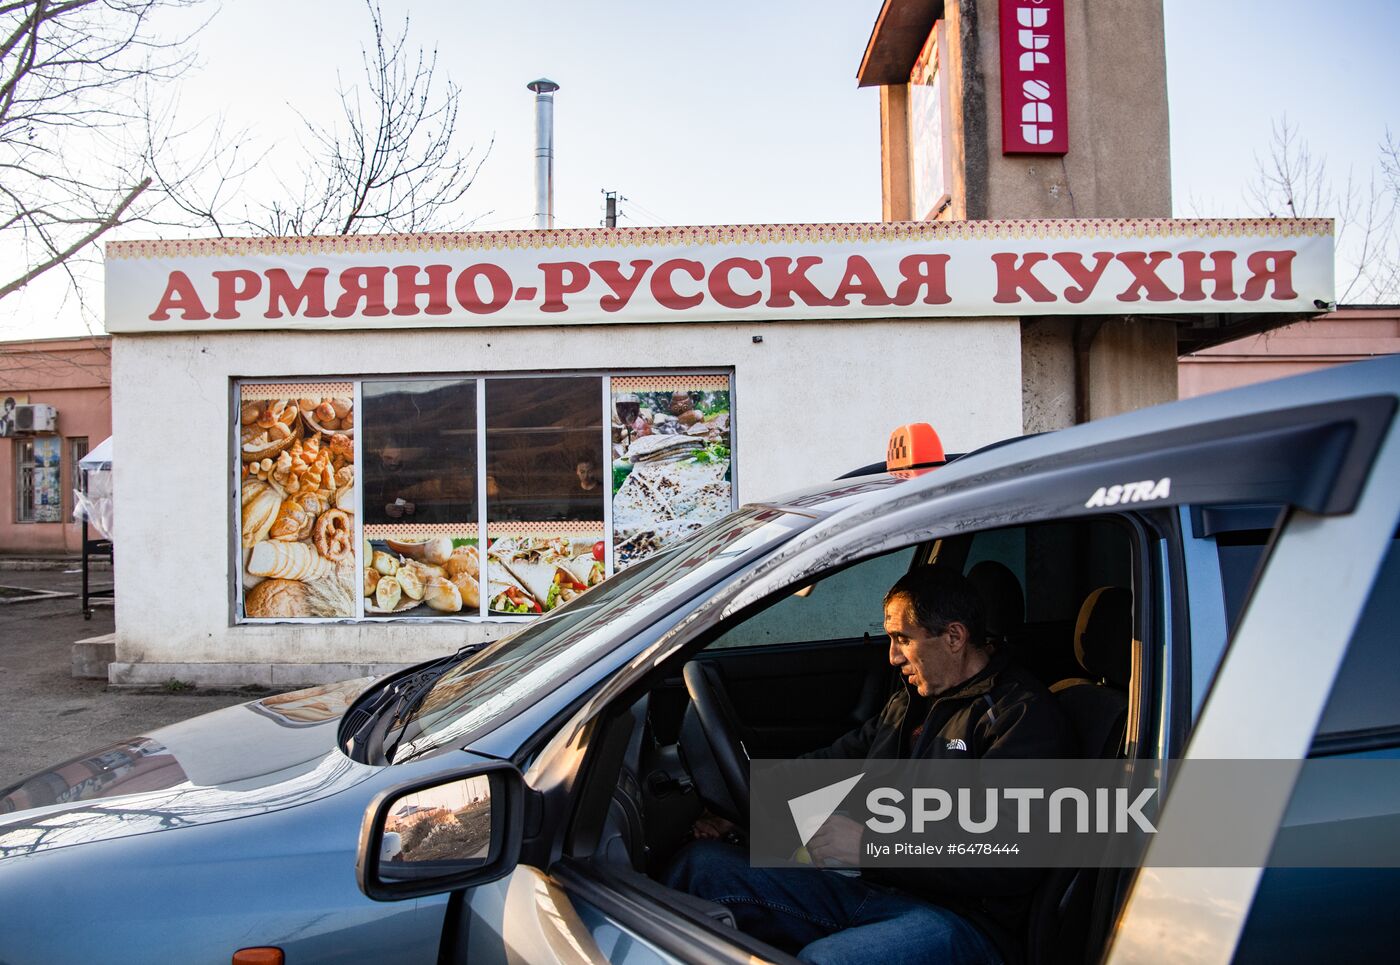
(495, 683)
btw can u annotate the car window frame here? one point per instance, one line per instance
(598, 713)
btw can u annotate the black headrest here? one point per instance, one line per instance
(1002, 600)
(1103, 635)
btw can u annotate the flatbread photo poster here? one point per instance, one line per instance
(533, 567)
(671, 460)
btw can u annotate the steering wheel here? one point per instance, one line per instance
(724, 736)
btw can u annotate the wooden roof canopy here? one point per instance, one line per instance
(898, 36)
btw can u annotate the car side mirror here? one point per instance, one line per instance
(441, 833)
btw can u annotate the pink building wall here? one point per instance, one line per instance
(1346, 335)
(74, 375)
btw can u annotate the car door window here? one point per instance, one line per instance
(1365, 699)
(1340, 914)
(1224, 548)
(845, 606)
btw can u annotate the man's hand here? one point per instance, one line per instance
(711, 827)
(837, 843)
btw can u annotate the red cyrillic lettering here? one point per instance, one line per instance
(496, 279)
(665, 293)
(555, 287)
(860, 279)
(1144, 265)
(622, 287)
(923, 271)
(359, 284)
(790, 278)
(1194, 275)
(1012, 277)
(409, 288)
(1085, 279)
(1270, 266)
(311, 293)
(723, 292)
(235, 286)
(180, 296)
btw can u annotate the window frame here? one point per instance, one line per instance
(77, 475)
(26, 481)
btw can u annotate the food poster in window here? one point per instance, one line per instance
(428, 571)
(545, 491)
(48, 494)
(534, 567)
(297, 500)
(671, 460)
(421, 557)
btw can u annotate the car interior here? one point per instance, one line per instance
(810, 663)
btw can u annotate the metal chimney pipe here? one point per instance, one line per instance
(544, 151)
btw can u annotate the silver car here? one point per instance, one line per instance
(518, 802)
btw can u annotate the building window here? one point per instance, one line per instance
(468, 496)
(77, 449)
(38, 493)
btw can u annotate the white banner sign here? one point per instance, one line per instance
(739, 273)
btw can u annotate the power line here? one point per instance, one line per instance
(645, 210)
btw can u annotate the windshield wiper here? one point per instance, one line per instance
(403, 695)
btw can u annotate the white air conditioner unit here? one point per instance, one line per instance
(35, 418)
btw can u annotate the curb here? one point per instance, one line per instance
(65, 563)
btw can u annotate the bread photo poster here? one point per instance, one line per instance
(296, 486)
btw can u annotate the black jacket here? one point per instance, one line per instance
(1001, 712)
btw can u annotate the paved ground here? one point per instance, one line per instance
(48, 716)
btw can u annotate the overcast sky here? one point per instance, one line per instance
(735, 111)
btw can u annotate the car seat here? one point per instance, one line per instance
(1097, 706)
(1003, 603)
(1097, 703)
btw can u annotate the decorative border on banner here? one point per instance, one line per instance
(692, 236)
(555, 528)
(410, 530)
(262, 391)
(656, 383)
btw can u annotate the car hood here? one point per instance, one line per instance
(263, 755)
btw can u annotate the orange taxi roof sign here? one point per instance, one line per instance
(915, 444)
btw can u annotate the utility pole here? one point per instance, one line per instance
(610, 209)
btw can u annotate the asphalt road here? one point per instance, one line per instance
(46, 715)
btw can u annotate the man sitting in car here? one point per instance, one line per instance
(961, 699)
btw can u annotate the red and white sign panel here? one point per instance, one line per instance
(736, 273)
(1034, 96)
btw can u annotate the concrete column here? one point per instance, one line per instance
(1132, 364)
(894, 152)
(1047, 374)
(1118, 165)
(1078, 368)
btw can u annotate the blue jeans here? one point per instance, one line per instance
(824, 917)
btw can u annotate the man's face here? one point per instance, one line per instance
(587, 475)
(924, 658)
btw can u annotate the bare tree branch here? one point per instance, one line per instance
(71, 72)
(106, 224)
(389, 164)
(1292, 182)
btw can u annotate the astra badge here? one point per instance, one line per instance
(1134, 492)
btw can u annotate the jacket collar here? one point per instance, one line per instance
(979, 683)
